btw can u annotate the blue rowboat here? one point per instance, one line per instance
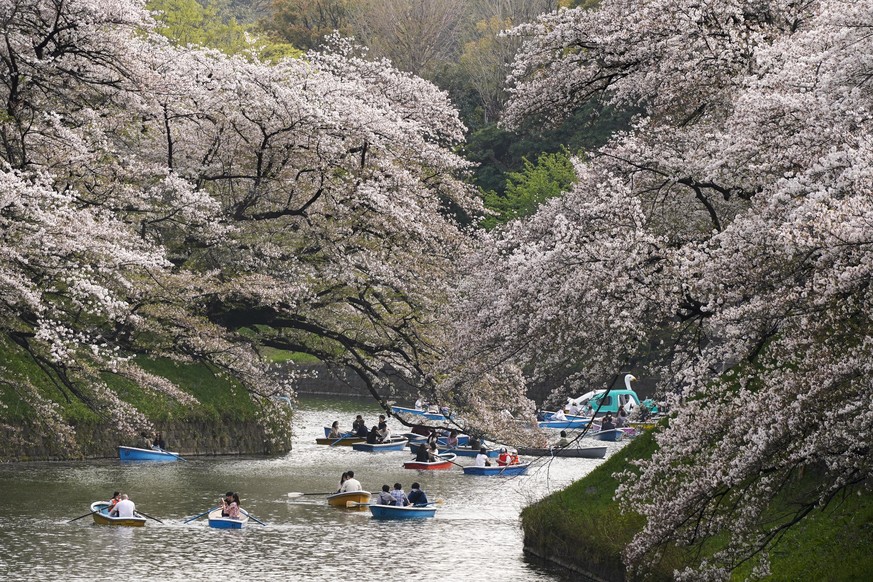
(218, 522)
(612, 435)
(505, 471)
(135, 454)
(415, 412)
(395, 512)
(572, 422)
(468, 452)
(392, 445)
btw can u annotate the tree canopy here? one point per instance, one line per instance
(727, 236)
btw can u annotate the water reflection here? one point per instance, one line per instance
(474, 536)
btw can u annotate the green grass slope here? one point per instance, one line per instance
(582, 526)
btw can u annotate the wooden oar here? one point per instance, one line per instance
(86, 515)
(344, 436)
(250, 516)
(294, 494)
(199, 516)
(148, 516)
(356, 504)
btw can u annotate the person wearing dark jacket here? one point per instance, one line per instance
(421, 454)
(373, 437)
(416, 496)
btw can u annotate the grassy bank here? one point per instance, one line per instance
(28, 394)
(582, 526)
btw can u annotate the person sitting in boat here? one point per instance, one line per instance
(351, 483)
(343, 478)
(559, 415)
(574, 409)
(225, 503)
(385, 497)
(158, 444)
(432, 437)
(474, 442)
(562, 442)
(334, 431)
(421, 454)
(420, 404)
(124, 508)
(621, 417)
(232, 509)
(373, 437)
(503, 458)
(452, 440)
(607, 423)
(416, 496)
(482, 458)
(400, 499)
(513, 457)
(433, 454)
(116, 497)
(384, 431)
(359, 427)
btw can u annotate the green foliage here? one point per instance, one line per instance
(499, 152)
(583, 525)
(209, 24)
(526, 190)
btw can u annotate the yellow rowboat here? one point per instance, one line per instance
(340, 499)
(102, 517)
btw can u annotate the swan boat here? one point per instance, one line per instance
(609, 401)
(101, 516)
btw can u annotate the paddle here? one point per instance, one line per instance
(294, 494)
(201, 515)
(148, 516)
(351, 504)
(343, 437)
(86, 515)
(252, 517)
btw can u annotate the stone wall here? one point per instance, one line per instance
(188, 437)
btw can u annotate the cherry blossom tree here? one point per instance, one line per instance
(205, 206)
(725, 240)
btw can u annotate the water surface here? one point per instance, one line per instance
(474, 536)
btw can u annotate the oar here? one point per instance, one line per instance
(148, 516)
(250, 516)
(294, 494)
(344, 436)
(356, 504)
(86, 515)
(201, 515)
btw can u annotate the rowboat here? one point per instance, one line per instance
(446, 463)
(417, 439)
(576, 452)
(395, 444)
(468, 452)
(341, 499)
(396, 512)
(416, 412)
(504, 471)
(136, 454)
(340, 442)
(102, 517)
(612, 435)
(570, 423)
(218, 522)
